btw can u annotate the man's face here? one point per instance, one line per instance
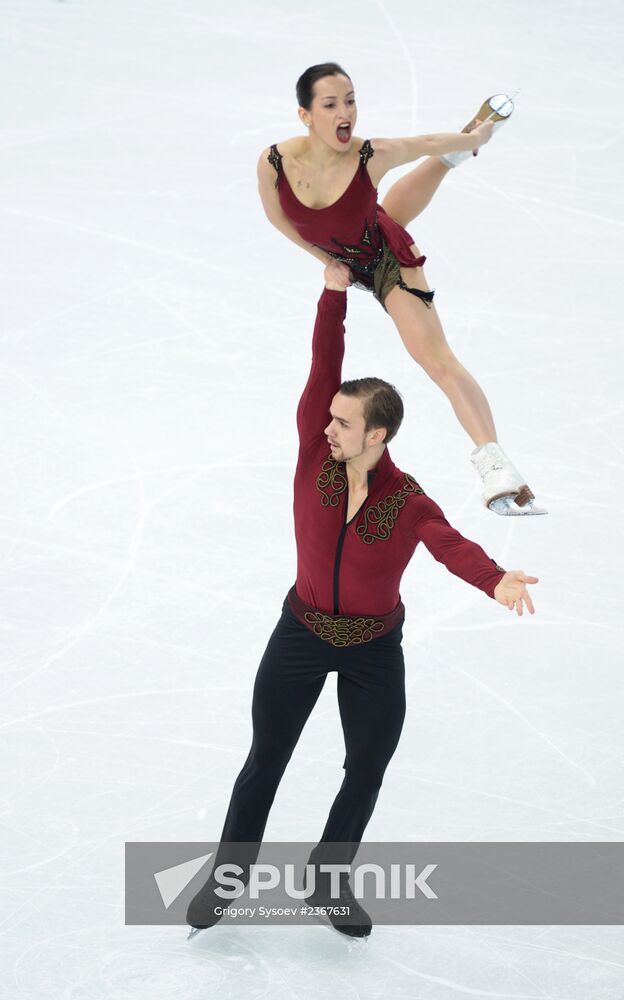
(345, 431)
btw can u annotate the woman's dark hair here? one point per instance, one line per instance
(382, 405)
(305, 83)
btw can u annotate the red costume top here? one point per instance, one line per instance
(352, 228)
(356, 567)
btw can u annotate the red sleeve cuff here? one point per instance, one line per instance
(495, 583)
(333, 295)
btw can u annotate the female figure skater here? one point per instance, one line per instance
(320, 191)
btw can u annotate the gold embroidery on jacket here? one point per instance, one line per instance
(331, 477)
(380, 518)
(343, 631)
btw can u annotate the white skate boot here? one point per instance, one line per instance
(505, 490)
(497, 108)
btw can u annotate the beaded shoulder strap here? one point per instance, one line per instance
(275, 159)
(366, 151)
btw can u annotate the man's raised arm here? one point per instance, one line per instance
(326, 370)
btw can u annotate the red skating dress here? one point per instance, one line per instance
(355, 229)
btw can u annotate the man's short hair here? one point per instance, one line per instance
(381, 404)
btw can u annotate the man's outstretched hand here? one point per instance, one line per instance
(337, 276)
(511, 591)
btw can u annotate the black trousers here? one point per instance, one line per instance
(371, 699)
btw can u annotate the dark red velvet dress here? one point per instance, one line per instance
(355, 229)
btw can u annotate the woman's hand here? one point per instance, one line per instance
(481, 132)
(511, 591)
(337, 276)
(470, 127)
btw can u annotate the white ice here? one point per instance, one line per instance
(155, 337)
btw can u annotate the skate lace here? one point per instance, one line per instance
(489, 459)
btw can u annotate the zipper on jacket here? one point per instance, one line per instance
(337, 565)
(339, 545)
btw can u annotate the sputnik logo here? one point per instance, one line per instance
(172, 881)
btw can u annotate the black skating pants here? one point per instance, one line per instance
(371, 699)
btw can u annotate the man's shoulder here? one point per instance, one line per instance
(402, 491)
(409, 493)
(404, 482)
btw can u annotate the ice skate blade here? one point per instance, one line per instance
(507, 507)
(353, 943)
(194, 931)
(497, 108)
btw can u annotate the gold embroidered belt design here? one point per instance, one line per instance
(344, 630)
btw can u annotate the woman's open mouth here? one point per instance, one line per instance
(343, 132)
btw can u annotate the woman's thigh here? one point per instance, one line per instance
(418, 324)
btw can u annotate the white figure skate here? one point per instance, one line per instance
(497, 108)
(505, 490)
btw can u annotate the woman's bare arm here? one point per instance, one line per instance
(391, 153)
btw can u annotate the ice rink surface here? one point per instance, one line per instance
(156, 335)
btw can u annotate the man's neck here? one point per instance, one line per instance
(358, 468)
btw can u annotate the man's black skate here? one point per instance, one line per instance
(201, 910)
(354, 922)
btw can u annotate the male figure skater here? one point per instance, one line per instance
(358, 520)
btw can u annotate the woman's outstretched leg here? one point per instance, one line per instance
(421, 331)
(505, 490)
(411, 194)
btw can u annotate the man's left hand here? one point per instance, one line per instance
(511, 591)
